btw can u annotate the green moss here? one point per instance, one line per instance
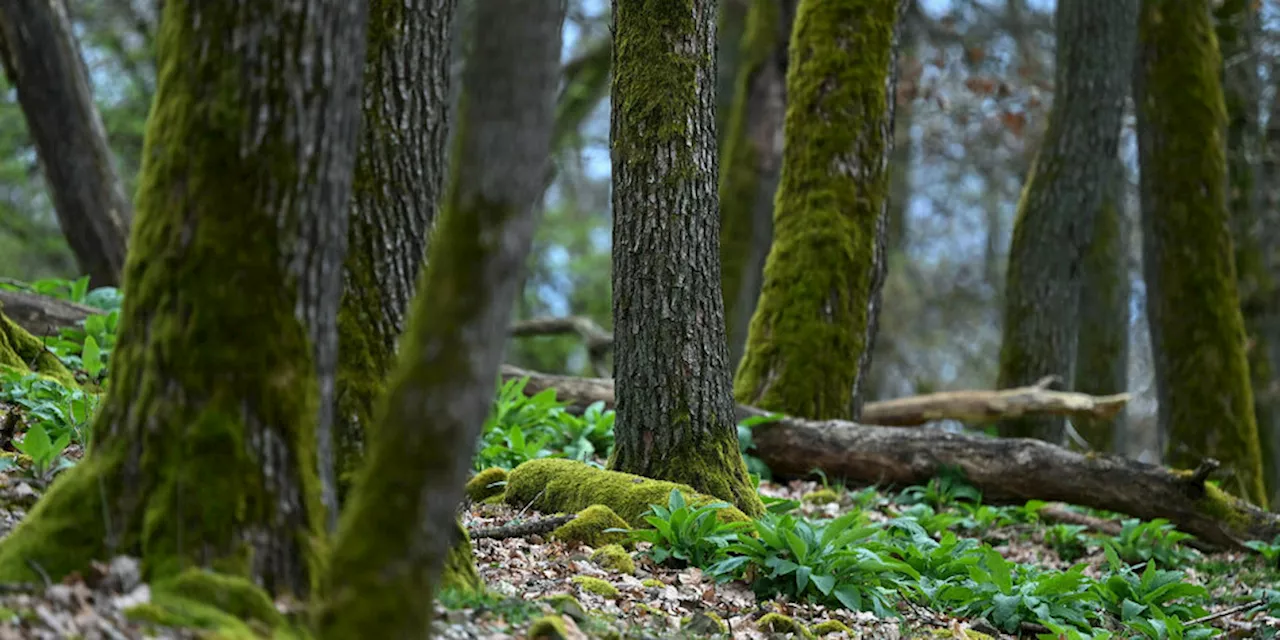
(812, 322)
(460, 565)
(589, 527)
(704, 623)
(554, 485)
(596, 586)
(779, 623)
(23, 352)
(548, 628)
(613, 556)
(1198, 333)
(830, 626)
(486, 484)
(822, 496)
(653, 583)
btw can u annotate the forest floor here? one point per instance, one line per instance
(530, 577)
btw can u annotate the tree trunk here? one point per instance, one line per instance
(752, 159)
(1060, 204)
(675, 407)
(398, 183)
(1102, 346)
(731, 27)
(203, 449)
(1268, 320)
(1238, 27)
(1197, 332)
(42, 59)
(811, 339)
(401, 522)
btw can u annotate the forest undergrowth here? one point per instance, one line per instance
(827, 560)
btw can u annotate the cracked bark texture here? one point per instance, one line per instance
(674, 404)
(42, 60)
(1062, 199)
(400, 523)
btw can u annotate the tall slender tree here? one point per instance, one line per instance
(42, 60)
(400, 522)
(203, 449)
(751, 163)
(1197, 331)
(811, 338)
(1062, 200)
(675, 414)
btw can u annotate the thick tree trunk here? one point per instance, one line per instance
(1238, 27)
(1062, 200)
(1197, 332)
(398, 184)
(821, 294)
(751, 163)
(1268, 320)
(401, 522)
(731, 25)
(42, 59)
(675, 407)
(1102, 345)
(204, 446)
(1009, 470)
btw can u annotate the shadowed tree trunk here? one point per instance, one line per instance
(1268, 336)
(401, 522)
(675, 408)
(1062, 200)
(41, 58)
(752, 160)
(1197, 331)
(811, 338)
(1102, 348)
(731, 25)
(203, 449)
(1238, 26)
(398, 182)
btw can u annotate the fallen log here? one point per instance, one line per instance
(1005, 470)
(987, 406)
(42, 315)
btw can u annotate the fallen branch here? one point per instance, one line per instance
(522, 529)
(597, 340)
(987, 406)
(1005, 470)
(42, 315)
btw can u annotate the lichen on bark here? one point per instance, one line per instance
(674, 403)
(1197, 331)
(204, 448)
(811, 337)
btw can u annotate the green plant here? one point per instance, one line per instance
(1067, 540)
(948, 487)
(1270, 551)
(1129, 596)
(521, 428)
(683, 534)
(60, 413)
(43, 451)
(589, 434)
(1158, 540)
(746, 444)
(1009, 594)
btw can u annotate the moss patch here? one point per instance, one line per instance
(596, 586)
(548, 628)
(486, 484)
(613, 556)
(589, 528)
(779, 623)
(23, 352)
(822, 496)
(830, 626)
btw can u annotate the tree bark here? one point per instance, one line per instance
(43, 315)
(675, 406)
(401, 522)
(1238, 28)
(821, 295)
(398, 183)
(1197, 331)
(1102, 345)
(1010, 470)
(1062, 199)
(751, 164)
(1268, 327)
(41, 58)
(203, 449)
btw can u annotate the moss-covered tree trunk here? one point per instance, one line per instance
(811, 338)
(751, 162)
(731, 24)
(42, 60)
(398, 183)
(1197, 332)
(1267, 230)
(674, 405)
(1061, 201)
(400, 521)
(22, 352)
(1102, 348)
(1238, 27)
(203, 450)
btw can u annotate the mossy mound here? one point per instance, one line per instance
(229, 606)
(703, 623)
(20, 351)
(778, 623)
(591, 528)
(548, 628)
(613, 556)
(556, 485)
(596, 586)
(829, 627)
(822, 496)
(486, 484)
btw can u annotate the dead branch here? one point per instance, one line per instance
(42, 315)
(521, 529)
(597, 340)
(987, 406)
